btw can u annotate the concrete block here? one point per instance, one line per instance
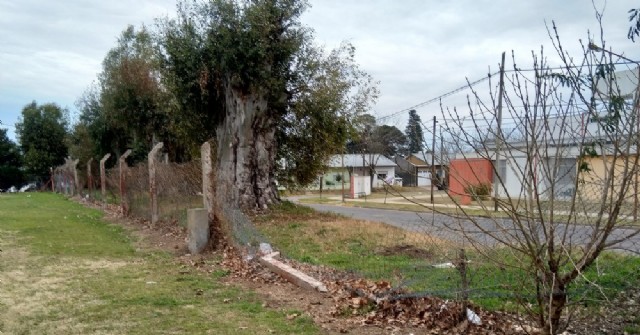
(292, 275)
(198, 229)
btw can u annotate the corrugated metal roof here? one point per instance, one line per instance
(356, 160)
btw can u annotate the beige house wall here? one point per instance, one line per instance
(593, 182)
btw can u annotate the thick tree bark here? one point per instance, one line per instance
(246, 153)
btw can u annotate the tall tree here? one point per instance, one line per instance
(93, 123)
(390, 140)
(130, 94)
(10, 162)
(250, 72)
(41, 132)
(371, 138)
(362, 139)
(414, 132)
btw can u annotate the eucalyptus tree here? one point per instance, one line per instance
(248, 73)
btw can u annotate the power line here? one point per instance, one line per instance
(566, 67)
(469, 85)
(430, 101)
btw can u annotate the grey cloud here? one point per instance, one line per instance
(51, 50)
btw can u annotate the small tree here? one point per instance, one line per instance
(565, 182)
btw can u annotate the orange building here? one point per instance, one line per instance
(465, 172)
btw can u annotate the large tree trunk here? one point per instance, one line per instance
(246, 152)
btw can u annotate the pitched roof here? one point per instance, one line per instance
(356, 160)
(419, 158)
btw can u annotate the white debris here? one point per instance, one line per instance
(447, 265)
(265, 248)
(443, 306)
(473, 317)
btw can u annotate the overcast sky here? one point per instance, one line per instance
(50, 51)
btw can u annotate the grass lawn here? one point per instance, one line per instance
(64, 270)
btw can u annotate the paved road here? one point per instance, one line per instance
(450, 228)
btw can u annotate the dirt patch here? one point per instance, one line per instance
(406, 250)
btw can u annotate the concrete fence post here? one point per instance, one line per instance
(53, 182)
(122, 167)
(67, 182)
(152, 158)
(54, 177)
(76, 180)
(103, 179)
(207, 185)
(198, 218)
(67, 170)
(90, 178)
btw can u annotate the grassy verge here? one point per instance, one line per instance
(64, 270)
(374, 249)
(418, 262)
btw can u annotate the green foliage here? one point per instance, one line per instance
(10, 162)
(130, 94)
(217, 45)
(323, 111)
(588, 151)
(374, 139)
(564, 80)
(41, 132)
(414, 133)
(391, 141)
(189, 67)
(634, 30)
(180, 84)
(262, 49)
(604, 71)
(102, 136)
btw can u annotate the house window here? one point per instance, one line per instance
(382, 176)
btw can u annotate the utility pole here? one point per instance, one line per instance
(433, 155)
(496, 166)
(636, 113)
(442, 171)
(342, 175)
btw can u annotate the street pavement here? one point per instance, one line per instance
(480, 230)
